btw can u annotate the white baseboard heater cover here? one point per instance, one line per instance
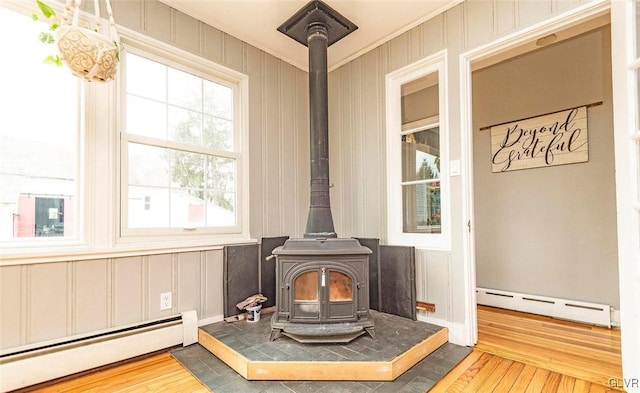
(593, 313)
(32, 365)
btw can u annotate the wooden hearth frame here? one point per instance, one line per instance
(323, 370)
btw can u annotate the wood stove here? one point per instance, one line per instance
(323, 292)
(322, 288)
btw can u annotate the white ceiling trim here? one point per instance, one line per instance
(247, 35)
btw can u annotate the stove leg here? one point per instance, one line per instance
(371, 331)
(275, 333)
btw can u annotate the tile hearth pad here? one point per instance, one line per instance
(251, 341)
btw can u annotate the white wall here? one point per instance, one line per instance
(548, 231)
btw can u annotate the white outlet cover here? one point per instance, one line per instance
(165, 301)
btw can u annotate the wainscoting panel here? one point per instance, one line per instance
(127, 291)
(161, 278)
(12, 304)
(48, 311)
(51, 302)
(91, 294)
(188, 294)
(213, 292)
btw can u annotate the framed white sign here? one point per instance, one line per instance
(554, 139)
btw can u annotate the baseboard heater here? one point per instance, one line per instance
(33, 364)
(593, 313)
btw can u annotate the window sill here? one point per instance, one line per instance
(138, 248)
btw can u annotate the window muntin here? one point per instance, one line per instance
(421, 191)
(181, 164)
(40, 141)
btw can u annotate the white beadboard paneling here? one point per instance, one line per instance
(373, 153)
(12, 299)
(416, 40)
(531, 11)
(479, 28)
(399, 51)
(212, 43)
(433, 31)
(287, 146)
(454, 29)
(302, 154)
(127, 291)
(336, 156)
(129, 13)
(186, 33)
(505, 16)
(233, 52)
(359, 162)
(213, 302)
(187, 295)
(272, 146)
(160, 279)
(47, 297)
(350, 156)
(91, 296)
(158, 20)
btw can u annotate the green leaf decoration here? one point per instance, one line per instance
(53, 59)
(46, 10)
(34, 16)
(46, 38)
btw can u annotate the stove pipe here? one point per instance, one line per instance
(319, 221)
(318, 26)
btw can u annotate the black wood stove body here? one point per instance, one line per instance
(323, 293)
(322, 288)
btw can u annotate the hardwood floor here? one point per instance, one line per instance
(157, 373)
(516, 352)
(525, 353)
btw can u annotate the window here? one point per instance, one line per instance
(422, 212)
(417, 155)
(181, 149)
(40, 140)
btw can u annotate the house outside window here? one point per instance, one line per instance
(181, 149)
(40, 141)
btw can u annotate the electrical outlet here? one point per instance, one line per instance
(165, 301)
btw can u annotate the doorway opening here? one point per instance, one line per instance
(528, 238)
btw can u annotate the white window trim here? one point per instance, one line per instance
(172, 56)
(394, 81)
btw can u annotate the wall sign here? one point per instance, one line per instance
(554, 139)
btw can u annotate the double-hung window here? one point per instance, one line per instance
(417, 155)
(181, 149)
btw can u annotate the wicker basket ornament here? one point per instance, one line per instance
(90, 55)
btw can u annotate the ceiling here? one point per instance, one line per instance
(256, 21)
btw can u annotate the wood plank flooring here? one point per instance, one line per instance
(516, 352)
(156, 373)
(523, 353)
